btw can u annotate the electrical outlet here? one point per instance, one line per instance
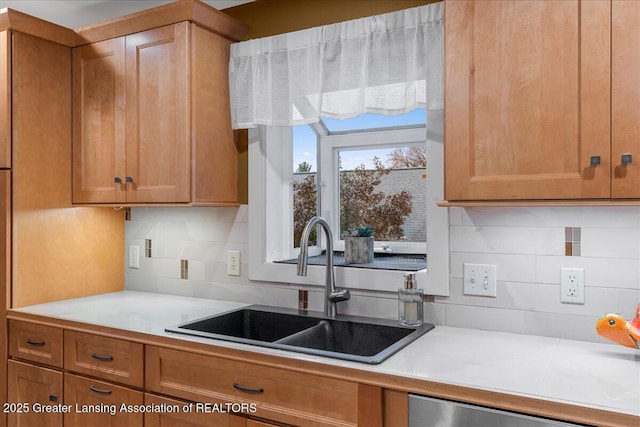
(479, 279)
(233, 263)
(134, 257)
(572, 285)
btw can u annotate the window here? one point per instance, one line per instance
(280, 161)
(370, 171)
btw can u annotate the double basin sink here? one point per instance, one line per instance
(358, 339)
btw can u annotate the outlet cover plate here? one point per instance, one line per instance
(572, 285)
(233, 263)
(479, 279)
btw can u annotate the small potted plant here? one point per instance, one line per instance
(358, 245)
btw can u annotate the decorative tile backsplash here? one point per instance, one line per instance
(572, 241)
(528, 246)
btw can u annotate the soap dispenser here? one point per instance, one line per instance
(410, 302)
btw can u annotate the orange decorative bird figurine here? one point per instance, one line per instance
(615, 328)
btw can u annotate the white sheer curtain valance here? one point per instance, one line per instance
(385, 64)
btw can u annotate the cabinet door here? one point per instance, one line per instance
(5, 99)
(625, 99)
(99, 122)
(158, 131)
(31, 385)
(527, 99)
(98, 403)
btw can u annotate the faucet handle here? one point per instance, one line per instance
(338, 296)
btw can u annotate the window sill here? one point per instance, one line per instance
(395, 262)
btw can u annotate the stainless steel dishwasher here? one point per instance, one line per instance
(430, 412)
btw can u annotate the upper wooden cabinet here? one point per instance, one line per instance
(5, 100)
(152, 122)
(528, 90)
(625, 99)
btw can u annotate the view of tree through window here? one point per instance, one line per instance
(383, 194)
(383, 187)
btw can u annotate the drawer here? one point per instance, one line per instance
(266, 392)
(181, 417)
(112, 359)
(38, 343)
(99, 403)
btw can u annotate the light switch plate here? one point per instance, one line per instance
(134, 257)
(479, 279)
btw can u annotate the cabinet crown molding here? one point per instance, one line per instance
(194, 11)
(14, 20)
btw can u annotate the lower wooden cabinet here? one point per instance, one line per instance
(270, 393)
(113, 382)
(99, 403)
(31, 389)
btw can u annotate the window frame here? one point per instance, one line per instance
(271, 229)
(333, 142)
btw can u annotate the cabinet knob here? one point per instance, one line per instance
(626, 158)
(595, 160)
(129, 179)
(53, 397)
(117, 180)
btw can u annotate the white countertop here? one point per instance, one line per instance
(600, 376)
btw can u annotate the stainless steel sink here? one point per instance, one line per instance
(359, 339)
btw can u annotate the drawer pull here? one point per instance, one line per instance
(102, 358)
(250, 390)
(100, 391)
(35, 343)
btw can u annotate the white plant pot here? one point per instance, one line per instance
(358, 250)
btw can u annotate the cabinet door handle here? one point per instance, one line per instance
(128, 179)
(595, 160)
(35, 343)
(117, 180)
(251, 390)
(626, 158)
(53, 397)
(100, 391)
(102, 358)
